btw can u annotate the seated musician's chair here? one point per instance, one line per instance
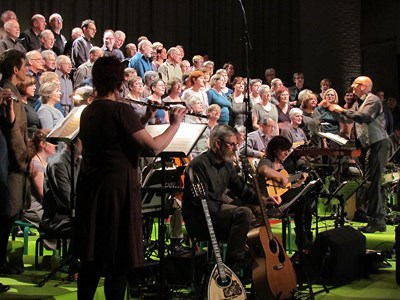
(61, 237)
(25, 227)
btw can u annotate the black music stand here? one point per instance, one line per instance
(340, 141)
(181, 146)
(66, 131)
(343, 192)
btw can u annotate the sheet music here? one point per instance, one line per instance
(276, 211)
(184, 140)
(68, 129)
(334, 137)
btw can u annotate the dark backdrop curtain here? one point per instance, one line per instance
(208, 26)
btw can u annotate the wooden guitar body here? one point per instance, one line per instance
(273, 273)
(217, 290)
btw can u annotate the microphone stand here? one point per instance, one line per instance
(248, 48)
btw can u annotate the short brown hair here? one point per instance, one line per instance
(23, 86)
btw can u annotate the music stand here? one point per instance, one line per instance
(277, 211)
(340, 141)
(181, 146)
(395, 157)
(343, 192)
(66, 131)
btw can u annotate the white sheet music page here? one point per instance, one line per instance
(334, 137)
(184, 140)
(68, 128)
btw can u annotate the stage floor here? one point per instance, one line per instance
(381, 285)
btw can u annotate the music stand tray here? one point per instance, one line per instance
(346, 189)
(68, 128)
(334, 137)
(395, 157)
(277, 211)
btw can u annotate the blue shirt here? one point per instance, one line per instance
(223, 102)
(140, 63)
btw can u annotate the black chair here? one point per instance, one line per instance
(61, 237)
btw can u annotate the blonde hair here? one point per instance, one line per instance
(336, 95)
(46, 89)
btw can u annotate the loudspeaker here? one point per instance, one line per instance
(336, 256)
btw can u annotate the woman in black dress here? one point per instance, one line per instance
(108, 235)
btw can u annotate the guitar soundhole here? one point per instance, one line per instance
(227, 281)
(273, 246)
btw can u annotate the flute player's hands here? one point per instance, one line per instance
(177, 114)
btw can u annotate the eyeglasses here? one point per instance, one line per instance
(36, 59)
(359, 83)
(331, 95)
(231, 145)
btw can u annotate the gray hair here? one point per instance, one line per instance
(173, 50)
(254, 81)
(46, 53)
(150, 76)
(221, 132)
(263, 89)
(240, 128)
(62, 59)
(143, 43)
(208, 63)
(214, 79)
(192, 100)
(119, 34)
(47, 33)
(295, 111)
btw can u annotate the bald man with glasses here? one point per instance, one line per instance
(371, 137)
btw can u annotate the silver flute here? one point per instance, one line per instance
(13, 97)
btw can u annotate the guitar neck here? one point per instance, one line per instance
(214, 242)
(256, 183)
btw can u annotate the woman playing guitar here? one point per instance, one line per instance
(272, 169)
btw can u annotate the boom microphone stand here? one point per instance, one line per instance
(248, 48)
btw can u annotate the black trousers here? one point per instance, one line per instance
(6, 224)
(373, 160)
(302, 215)
(230, 226)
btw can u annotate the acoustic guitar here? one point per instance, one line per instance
(276, 188)
(273, 273)
(223, 282)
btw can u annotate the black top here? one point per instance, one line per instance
(216, 178)
(108, 205)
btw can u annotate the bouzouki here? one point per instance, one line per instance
(223, 282)
(273, 273)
